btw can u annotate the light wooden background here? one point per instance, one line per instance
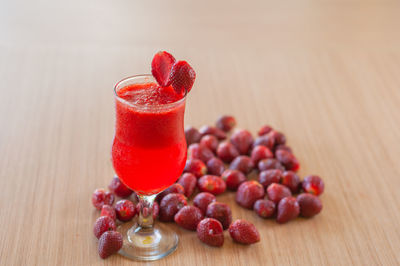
(327, 73)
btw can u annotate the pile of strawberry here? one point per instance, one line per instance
(223, 162)
(217, 162)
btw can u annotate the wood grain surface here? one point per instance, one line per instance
(327, 73)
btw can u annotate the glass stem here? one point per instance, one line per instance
(146, 212)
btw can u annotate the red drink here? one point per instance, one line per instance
(149, 148)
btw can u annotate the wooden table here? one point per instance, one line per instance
(327, 73)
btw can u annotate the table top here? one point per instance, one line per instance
(326, 73)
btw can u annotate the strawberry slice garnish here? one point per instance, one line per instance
(182, 77)
(161, 67)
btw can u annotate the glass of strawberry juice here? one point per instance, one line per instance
(148, 155)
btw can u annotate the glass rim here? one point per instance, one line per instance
(143, 106)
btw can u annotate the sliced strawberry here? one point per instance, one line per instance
(182, 77)
(161, 67)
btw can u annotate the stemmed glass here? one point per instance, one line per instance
(148, 154)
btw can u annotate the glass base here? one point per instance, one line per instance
(147, 245)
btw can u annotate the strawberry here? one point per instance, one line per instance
(233, 178)
(202, 200)
(170, 205)
(259, 153)
(110, 242)
(291, 180)
(276, 192)
(109, 211)
(310, 205)
(267, 164)
(174, 188)
(264, 130)
(210, 232)
(188, 181)
(215, 166)
(197, 151)
(288, 160)
(192, 135)
(279, 137)
(226, 123)
(264, 140)
(313, 184)
(211, 183)
(195, 167)
(100, 197)
(210, 141)
(221, 212)
(182, 77)
(161, 67)
(242, 140)
(227, 152)
(103, 224)
(189, 217)
(244, 232)
(288, 209)
(283, 147)
(209, 130)
(264, 208)
(119, 188)
(242, 163)
(270, 176)
(248, 193)
(125, 210)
